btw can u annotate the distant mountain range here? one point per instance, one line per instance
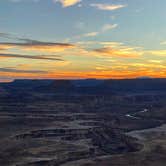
(93, 86)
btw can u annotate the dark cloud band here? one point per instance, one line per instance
(9, 70)
(30, 57)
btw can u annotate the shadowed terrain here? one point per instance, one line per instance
(83, 122)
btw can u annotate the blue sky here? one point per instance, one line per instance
(125, 37)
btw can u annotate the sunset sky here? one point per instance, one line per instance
(82, 39)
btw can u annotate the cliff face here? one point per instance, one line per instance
(58, 86)
(89, 86)
(3, 92)
(62, 84)
(50, 128)
(136, 85)
(102, 140)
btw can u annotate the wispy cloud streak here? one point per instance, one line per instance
(109, 7)
(10, 70)
(29, 57)
(67, 3)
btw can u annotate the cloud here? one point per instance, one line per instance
(155, 61)
(104, 50)
(110, 49)
(67, 3)
(103, 59)
(105, 28)
(119, 72)
(34, 45)
(11, 36)
(157, 52)
(122, 51)
(109, 7)
(163, 43)
(10, 70)
(29, 57)
(4, 35)
(4, 47)
(109, 73)
(89, 34)
(38, 46)
(108, 27)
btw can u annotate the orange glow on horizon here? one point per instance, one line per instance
(85, 75)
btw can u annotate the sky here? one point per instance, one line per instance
(72, 39)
